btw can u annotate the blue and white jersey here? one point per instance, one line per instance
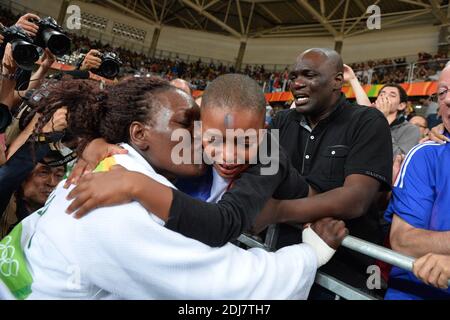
(421, 197)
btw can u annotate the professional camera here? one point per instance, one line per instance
(24, 52)
(110, 66)
(50, 35)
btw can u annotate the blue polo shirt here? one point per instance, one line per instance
(421, 197)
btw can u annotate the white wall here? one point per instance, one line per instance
(47, 7)
(371, 45)
(393, 43)
(281, 51)
(198, 43)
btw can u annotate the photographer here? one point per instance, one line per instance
(15, 81)
(27, 178)
(91, 60)
(106, 64)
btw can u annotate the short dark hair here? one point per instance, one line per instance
(401, 91)
(236, 91)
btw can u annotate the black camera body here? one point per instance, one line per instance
(50, 35)
(110, 66)
(24, 52)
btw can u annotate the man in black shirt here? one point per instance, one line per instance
(345, 153)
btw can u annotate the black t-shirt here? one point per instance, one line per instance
(218, 223)
(353, 139)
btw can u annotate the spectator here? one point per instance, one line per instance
(342, 150)
(288, 273)
(392, 101)
(419, 208)
(434, 119)
(422, 124)
(29, 192)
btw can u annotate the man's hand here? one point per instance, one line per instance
(2, 38)
(437, 135)
(58, 122)
(9, 64)
(331, 231)
(102, 189)
(349, 75)
(384, 105)
(93, 154)
(92, 60)
(26, 23)
(47, 59)
(433, 269)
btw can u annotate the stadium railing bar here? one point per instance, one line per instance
(326, 281)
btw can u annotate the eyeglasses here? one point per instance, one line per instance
(440, 95)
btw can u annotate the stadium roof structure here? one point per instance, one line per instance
(245, 19)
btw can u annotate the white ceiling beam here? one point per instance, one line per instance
(323, 21)
(394, 21)
(436, 9)
(241, 18)
(270, 13)
(345, 16)
(416, 3)
(212, 18)
(250, 17)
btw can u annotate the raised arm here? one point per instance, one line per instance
(360, 94)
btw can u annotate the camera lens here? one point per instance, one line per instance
(56, 42)
(25, 54)
(109, 69)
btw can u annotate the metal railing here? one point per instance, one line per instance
(330, 283)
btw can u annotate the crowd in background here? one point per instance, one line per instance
(35, 153)
(200, 73)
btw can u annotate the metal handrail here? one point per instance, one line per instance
(378, 252)
(362, 246)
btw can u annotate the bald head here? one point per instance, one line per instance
(325, 55)
(317, 79)
(182, 84)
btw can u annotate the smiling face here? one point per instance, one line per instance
(240, 141)
(176, 110)
(315, 80)
(40, 183)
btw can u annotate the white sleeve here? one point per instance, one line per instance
(125, 252)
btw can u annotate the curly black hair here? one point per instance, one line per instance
(95, 112)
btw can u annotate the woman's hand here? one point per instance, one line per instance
(331, 231)
(93, 154)
(102, 189)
